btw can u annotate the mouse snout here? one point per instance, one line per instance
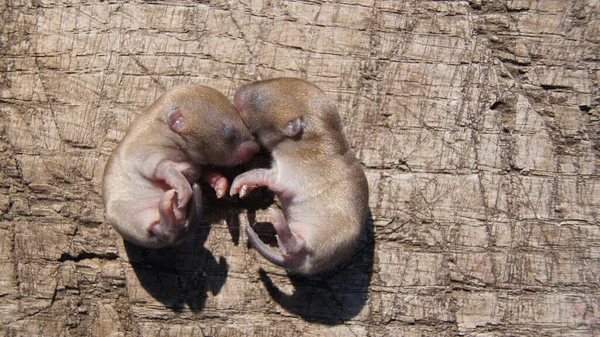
(246, 150)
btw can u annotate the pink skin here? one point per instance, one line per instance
(149, 187)
(291, 244)
(172, 219)
(171, 206)
(174, 201)
(217, 181)
(321, 185)
(181, 191)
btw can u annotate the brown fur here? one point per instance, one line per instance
(321, 185)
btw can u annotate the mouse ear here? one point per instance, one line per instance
(294, 127)
(175, 120)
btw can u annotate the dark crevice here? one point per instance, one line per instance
(554, 87)
(584, 108)
(85, 256)
(496, 105)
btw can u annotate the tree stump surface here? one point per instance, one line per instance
(477, 123)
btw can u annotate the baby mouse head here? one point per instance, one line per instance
(286, 110)
(207, 126)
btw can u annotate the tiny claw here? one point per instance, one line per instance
(180, 205)
(217, 181)
(221, 189)
(243, 191)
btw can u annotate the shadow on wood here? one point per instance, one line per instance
(181, 275)
(185, 274)
(335, 296)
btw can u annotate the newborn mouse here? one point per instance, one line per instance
(320, 184)
(151, 176)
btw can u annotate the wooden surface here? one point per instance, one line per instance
(477, 124)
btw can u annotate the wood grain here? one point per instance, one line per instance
(477, 123)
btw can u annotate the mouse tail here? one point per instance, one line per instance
(195, 207)
(268, 253)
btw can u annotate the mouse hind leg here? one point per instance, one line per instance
(293, 251)
(290, 243)
(174, 223)
(168, 227)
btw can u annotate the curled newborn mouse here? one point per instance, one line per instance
(320, 184)
(151, 176)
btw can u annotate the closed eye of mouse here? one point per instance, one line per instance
(176, 120)
(294, 127)
(229, 133)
